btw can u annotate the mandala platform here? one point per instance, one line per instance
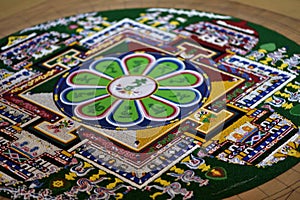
(163, 103)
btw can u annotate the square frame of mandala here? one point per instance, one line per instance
(123, 39)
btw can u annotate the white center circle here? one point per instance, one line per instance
(132, 87)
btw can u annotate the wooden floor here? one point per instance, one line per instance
(279, 15)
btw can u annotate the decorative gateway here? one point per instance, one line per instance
(162, 103)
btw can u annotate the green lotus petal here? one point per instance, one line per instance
(178, 96)
(158, 109)
(126, 112)
(137, 65)
(184, 79)
(109, 67)
(89, 79)
(80, 95)
(97, 109)
(163, 68)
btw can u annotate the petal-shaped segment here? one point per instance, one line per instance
(158, 109)
(184, 78)
(165, 66)
(74, 96)
(181, 97)
(126, 114)
(96, 109)
(137, 63)
(109, 66)
(87, 78)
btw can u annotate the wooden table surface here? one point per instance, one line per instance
(281, 16)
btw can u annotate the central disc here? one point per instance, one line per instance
(132, 87)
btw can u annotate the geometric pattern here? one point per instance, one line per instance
(253, 139)
(149, 105)
(132, 91)
(15, 155)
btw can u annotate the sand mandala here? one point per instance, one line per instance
(149, 103)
